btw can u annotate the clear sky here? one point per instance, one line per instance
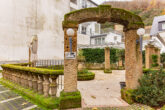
(101, 1)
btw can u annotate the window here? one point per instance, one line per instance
(115, 38)
(83, 31)
(84, 4)
(103, 40)
(99, 41)
(161, 26)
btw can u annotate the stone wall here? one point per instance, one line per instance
(18, 23)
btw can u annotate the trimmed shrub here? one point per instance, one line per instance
(70, 100)
(97, 55)
(33, 69)
(147, 71)
(94, 55)
(127, 95)
(107, 71)
(85, 75)
(155, 60)
(152, 89)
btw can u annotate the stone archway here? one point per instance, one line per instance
(101, 14)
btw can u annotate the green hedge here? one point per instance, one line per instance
(108, 71)
(70, 100)
(86, 76)
(97, 55)
(147, 71)
(33, 69)
(127, 95)
(47, 103)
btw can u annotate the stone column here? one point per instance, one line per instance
(26, 80)
(107, 58)
(40, 84)
(158, 53)
(70, 65)
(34, 82)
(30, 78)
(22, 79)
(151, 50)
(46, 85)
(133, 59)
(53, 85)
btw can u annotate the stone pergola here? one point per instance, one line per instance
(151, 50)
(102, 14)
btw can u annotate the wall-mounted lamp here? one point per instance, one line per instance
(140, 32)
(70, 33)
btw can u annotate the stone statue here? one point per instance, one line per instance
(34, 48)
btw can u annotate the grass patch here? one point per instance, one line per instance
(46, 103)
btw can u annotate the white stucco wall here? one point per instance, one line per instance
(17, 25)
(111, 36)
(83, 39)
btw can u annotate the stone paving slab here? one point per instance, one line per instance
(17, 104)
(104, 90)
(7, 95)
(2, 88)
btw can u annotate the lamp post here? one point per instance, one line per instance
(70, 33)
(141, 32)
(70, 55)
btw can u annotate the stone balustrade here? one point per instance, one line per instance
(42, 81)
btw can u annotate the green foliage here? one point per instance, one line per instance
(155, 60)
(163, 108)
(94, 55)
(162, 58)
(107, 71)
(84, 71)
(84, 75)
(97, 55)
(47, 103)
(148, 71)
(33, 69)
(143, 56)
(127, 95)
(152, 89)
(70, 100)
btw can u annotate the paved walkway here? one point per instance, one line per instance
(103, 91)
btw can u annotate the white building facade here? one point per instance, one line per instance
(20, 19)
(86, 29)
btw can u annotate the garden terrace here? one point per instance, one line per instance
(40, 80)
